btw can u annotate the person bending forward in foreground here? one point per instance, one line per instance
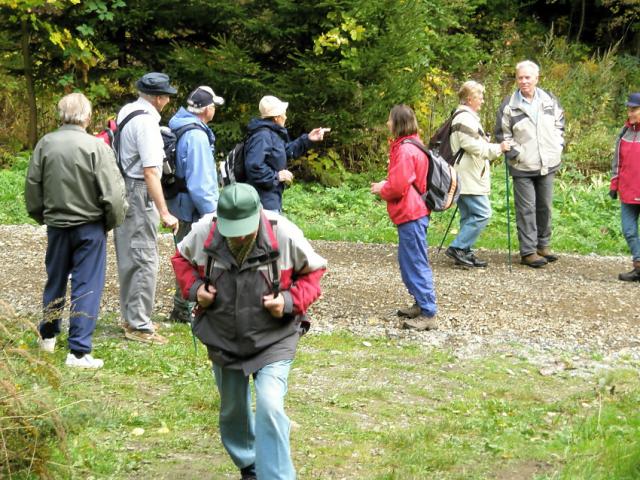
(249, 320)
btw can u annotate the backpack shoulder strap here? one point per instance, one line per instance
(424, 150)
(210, 261)
(130, 117)
(185, 128)
(275, 271)
(120, 126)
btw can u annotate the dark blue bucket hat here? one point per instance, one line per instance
(155, 83)
(633, 100)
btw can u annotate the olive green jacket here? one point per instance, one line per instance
(73, 179)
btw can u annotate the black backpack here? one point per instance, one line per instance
(171, 183)
(232, 168)
(440, 142)
(443, 184)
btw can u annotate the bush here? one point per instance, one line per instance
(31, 429)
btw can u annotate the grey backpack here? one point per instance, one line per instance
(443, 184)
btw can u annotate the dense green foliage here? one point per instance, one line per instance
(340, 63)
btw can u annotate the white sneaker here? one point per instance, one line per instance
(47, 344)
(87, 361)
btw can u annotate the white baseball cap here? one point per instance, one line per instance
(271, 106)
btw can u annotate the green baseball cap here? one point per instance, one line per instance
(238, 210)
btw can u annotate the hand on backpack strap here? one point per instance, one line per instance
(205, 295)
(274, 305)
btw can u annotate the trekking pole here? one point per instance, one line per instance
(448, 227)
(506, 178)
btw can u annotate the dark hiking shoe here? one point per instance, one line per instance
(632, 276)
(180, 315)
(248, 473)
(410, 312)
(421, 323)
(546, 253)
(476, 261)
(459, 256)
(533, 260)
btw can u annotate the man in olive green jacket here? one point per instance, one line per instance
(75, 188)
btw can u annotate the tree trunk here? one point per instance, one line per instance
(32, 133)
(582, 18)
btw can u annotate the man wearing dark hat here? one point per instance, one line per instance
(141, 155)
(195, 172)
(253, 275)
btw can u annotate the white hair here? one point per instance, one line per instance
(530, 65)
(75, 109)
(197, 111)
(469, 89)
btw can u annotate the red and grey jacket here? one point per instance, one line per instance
(625, 166)
(237, 330)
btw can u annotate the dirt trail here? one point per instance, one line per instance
(576, 304)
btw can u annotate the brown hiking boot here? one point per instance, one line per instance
(410, 312)
(546, 253)
(144, 336)
(633, 275)
(421, 323)
(533, 260)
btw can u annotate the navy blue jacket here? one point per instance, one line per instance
(266, 152)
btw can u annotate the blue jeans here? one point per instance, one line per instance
(475, 213)
(414, 264)
(629, 215)
(82, 252)
(262, 438)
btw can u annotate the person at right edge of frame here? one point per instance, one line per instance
(141, 152)
(253, 275)
(625, 182)
(402, 190)
(532, 121)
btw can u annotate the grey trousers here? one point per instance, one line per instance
(137, 257)
(533, 198)
(179, 303)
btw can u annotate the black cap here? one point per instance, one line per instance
(633, 100)
(203, 97)
(155, 83)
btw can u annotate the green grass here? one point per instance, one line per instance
(362, 409)
(585, 220)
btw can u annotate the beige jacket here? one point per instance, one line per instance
(474, 169)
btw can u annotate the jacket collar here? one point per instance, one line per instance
(264, 250)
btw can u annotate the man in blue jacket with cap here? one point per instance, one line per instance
(195, 170)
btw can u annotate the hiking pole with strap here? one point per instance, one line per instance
(448, 228)
(506, 178)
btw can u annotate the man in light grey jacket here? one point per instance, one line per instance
(532, 121)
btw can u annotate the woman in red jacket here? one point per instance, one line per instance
(625, 182)
(406, 181)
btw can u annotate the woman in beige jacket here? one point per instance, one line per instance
(474, 172)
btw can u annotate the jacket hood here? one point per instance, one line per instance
(256, 123)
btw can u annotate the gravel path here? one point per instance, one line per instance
(573, 309)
